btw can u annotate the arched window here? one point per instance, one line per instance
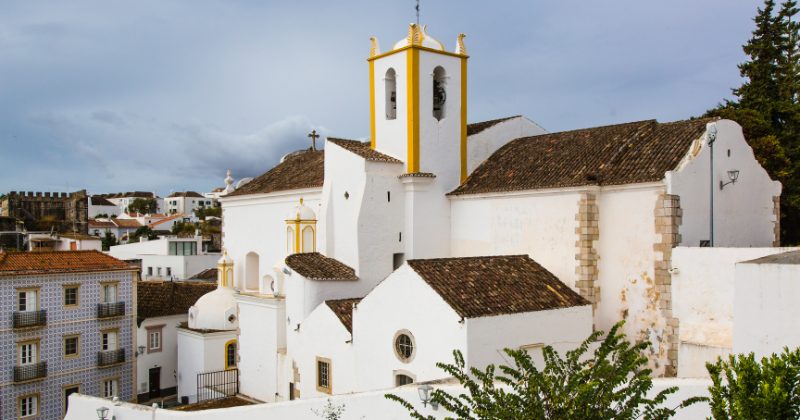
(230, 354)
(251, 271)
(290, 240)
(391, 94)
(308, 239)
(403, 380)
(439, 93)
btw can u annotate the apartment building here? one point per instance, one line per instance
(66, 326)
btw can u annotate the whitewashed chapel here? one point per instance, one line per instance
(361, 266)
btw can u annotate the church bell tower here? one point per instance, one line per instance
(418, 104)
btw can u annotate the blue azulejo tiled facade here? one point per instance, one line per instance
(46, 371)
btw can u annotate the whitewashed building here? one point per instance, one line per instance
(168, 257)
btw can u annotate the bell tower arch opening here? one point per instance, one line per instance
(439, 93)
(390, 83)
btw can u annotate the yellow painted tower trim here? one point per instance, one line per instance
(412, 63)
(372, 102)
(463, 119)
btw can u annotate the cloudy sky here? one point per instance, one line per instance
(168, 95)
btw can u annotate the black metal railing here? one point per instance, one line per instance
(217, 384)
(29, 319)
(108, 310)
(110, 357)
(30, 372)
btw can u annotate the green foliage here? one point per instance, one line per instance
(101, 216)
(108, 241)
(768, 107)
(744, 389)
(331, 411)
(140, 232)
(612, 384)
(181, 226)
(203, 212)
(113, 216)
(143, 206)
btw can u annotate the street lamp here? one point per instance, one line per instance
(102, 412)
(141, 351)
(426, 397)
(733, 175)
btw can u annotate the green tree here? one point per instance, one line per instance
(181, 226)
(744, 389)
(203, 212)
(768, 106)
(143, 231)
(108, 241)
(612, 384)
(143, 206)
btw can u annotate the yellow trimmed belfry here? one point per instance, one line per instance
(301, 230)
(225, 271)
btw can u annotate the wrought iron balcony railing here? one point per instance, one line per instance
(110, 357)
(29, 319)
(108, 310)
(30, 372)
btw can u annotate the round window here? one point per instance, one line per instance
(404, 346)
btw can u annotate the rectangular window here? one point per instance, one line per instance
(109, 293)
(324, 375)
(109, 340)
(149, 271)
(173, 248)
(71, 346)
(159, 271)
(28, 353)
(27, 300)
(155, 340)
(169, 271)
(71, 296)
(109, 388)
(28, 406)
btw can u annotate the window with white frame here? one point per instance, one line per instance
(28, 406)
(28, 300)
(28, 353)
(109, 293)
(109, 340)
(155, 340)
(110, 388)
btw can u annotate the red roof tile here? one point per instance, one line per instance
(315, 266)
(59, 261)
(363, 150)
(343, 308)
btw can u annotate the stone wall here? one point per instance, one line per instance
(588, 232)
(64, 212)
(668, 217)
(777, 212)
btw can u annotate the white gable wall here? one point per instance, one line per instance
(404, 302)
(167, 358)
(743, 212)
(481, 145)
(564, 329)
(263, 323)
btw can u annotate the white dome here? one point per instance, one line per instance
(425, 40)
(304, 213)
(214, 311)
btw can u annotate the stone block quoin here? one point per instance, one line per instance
(668, 219)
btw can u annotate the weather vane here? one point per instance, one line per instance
(417, 12)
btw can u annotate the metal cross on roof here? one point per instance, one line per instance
(314, 136)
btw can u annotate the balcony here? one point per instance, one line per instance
(30, 372)
(110, 357)
(109, 310)
(29, 319)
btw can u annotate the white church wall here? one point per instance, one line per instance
(564, 329)
(627, 264)
(426, 233)
(743, 212)
(257, 223)
(198, 352)
(369, 405)
(263, 325)
(766, 308)
(391, 135)
(323, 335)
(167, 358)
(403, 301)
(703, 290)
(538, 223)
(482, 145)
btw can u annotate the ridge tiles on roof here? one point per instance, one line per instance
(476, 128)
(497, 285)
(617, 154)
(363, 149)
(59, 261)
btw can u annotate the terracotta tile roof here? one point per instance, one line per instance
(165, 298)
(306, 170)
(343, 308)
(167, 219)
(487, 286)
(476, 128)
(207, 274)
(363, 150)
(617, 154)
(12, 263)
(100, 201)
(185, 194)
(135, 194)
(99, 224)
(315, 266)
(126, 223)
